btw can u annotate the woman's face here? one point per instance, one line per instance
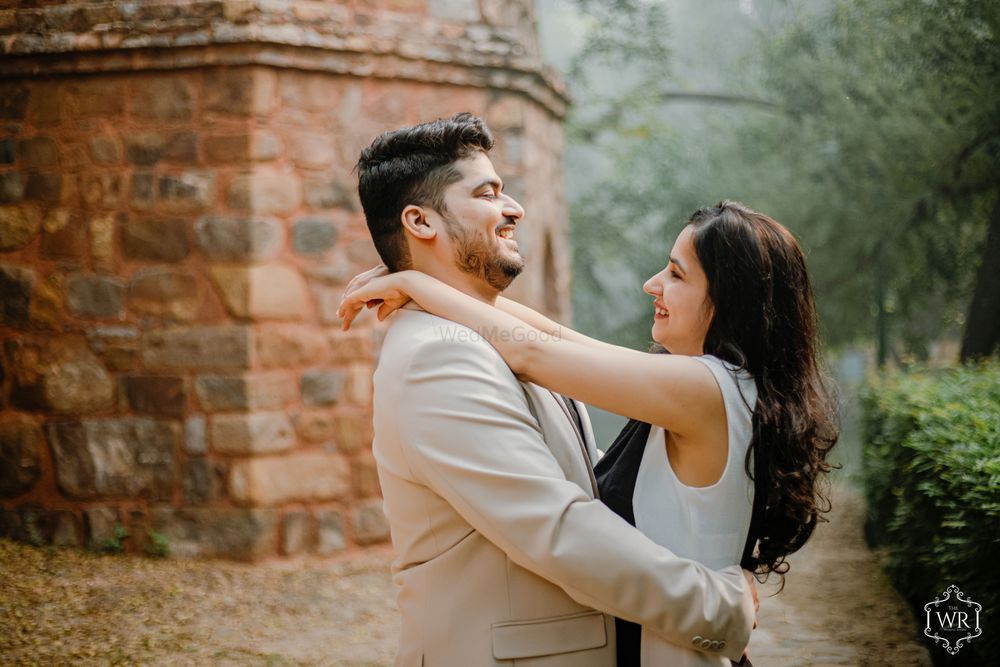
(681, 307)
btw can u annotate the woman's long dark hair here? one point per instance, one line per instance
(765, 321)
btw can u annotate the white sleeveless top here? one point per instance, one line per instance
(707, 524)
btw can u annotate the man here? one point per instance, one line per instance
(504, 554)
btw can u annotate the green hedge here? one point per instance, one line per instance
(932, 477)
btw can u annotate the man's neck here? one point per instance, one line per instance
(462, 281)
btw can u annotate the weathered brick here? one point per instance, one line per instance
(100, 525)
(322, 387)
(181, 147)
(45, 104)
(329, 193)
(303, 477)
(229, 90)
(253, 433)
(161, 98)
(155, 239)
(204, 481)
(141, 191)
(66, 530)
(21, 443)
(16, 284)
(195, 441)
(369, 523)
(187, 191)
(169, 293)
(364, 476)
(131, 456)
(352, 432)
(38, 153)
(296, 531)
(289, 346)
(74, 158)
(313, 236)
(241, 534)
(232, 148)
(265, 191)
(238, 239)
(47, 303)
(197, 348)
(102, 241)
(18, 226)
(94, 296)
(262, 292)
(156, 394)
(349, 347)
(252, 391)
(104, 190)
(330, 534)
(95, 98)
(105, 151)
(73, 380)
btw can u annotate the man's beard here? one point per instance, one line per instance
(475, 256)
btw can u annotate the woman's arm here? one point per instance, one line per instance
(542, 323)
(673, 391)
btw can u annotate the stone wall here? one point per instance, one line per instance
(178, 219)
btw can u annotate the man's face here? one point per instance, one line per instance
(481, 220)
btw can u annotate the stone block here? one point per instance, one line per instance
(21, 443)
(93, 296)
(187, 191)
(64, 236)
(117, 347)
(72, 380)
(141, 190)
(197, 348)
(105, 151)
(330, 534)
(264, 146)
(95, 98)
(351, 347)
(47, 310)
(329, 193)
(156, 395)
(8, 151)
(289, 346)
(239, 534)
(155, 239)
(65, 529)
(43, 187)
(238, 239)
(359, 384)
(16, 284)
(313, 236)
(296, 529)
(13, 100)
(100, 525)
(253, 433)
(312, 150)
(102, 242)
(161, 98)
(45, 105)
(181, 147)
(104, 190)
(229, 91)
(232, 148)
(252, 391)
(322, 387)
(38, 153)
(315, 426)
(364, 476)
(129, 456)
(144, 149)
(204, 481)
(167, 293)
(305, 476)
(369, 523)
(11, 187)
(195, 441)
(266, 191)
(264, 292)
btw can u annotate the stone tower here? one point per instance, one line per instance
(178, 219)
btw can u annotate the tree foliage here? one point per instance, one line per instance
(871, 128)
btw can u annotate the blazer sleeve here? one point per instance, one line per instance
(471, 437)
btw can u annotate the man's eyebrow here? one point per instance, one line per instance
(495, 182)
(676, 261)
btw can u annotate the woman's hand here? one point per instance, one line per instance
(375, 287)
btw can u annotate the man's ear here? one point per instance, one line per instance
(416, 223)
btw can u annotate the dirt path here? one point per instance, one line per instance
(67, 607)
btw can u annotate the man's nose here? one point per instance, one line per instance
(511, 209)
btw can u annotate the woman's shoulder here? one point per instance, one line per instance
(733, 380)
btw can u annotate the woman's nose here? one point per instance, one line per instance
(652, 286)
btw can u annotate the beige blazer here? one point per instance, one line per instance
(503, 554)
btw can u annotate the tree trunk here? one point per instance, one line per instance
(982, 327)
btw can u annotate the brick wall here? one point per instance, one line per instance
(178, 220)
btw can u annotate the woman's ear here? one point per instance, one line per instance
(415, 222)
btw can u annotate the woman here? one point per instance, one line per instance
(729, 433)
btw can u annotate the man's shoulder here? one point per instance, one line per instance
(417, 334)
